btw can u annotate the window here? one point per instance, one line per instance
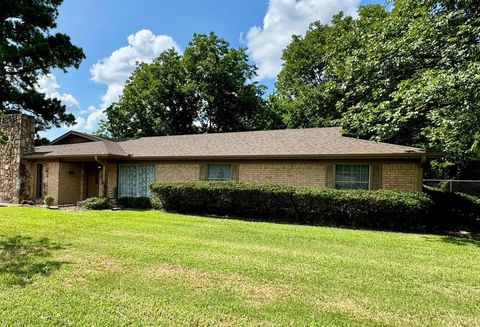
(219, 172)
(352, 177)
(39, 182)
(135, 180)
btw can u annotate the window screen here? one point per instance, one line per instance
(352, 177)
(219, 172)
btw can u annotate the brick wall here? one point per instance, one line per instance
(171, 172)
(298, 174)
(51, 178)
(69, 188)
(111, 171)
(402, 176)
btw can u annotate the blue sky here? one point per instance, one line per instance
(114, 34)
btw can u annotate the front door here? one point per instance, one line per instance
(92, 181)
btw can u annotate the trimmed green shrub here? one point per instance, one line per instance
(96, 203)
(156, 203)
(354, 208)
(48, 200)
(135, 203)
(453, 210)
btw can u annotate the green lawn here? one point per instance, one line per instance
(151, 268)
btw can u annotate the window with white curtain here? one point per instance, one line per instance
(135, 180)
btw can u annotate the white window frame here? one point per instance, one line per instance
(219, 180)
(350, 164)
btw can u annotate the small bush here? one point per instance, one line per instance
(99, 203)
(355, 208)
(48, 200)
(156, 202)
(27, 203)
(453, 210)
(135, 203)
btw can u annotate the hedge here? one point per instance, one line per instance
(393, 210)
(135, 203)
(96, 203)
(453, 210)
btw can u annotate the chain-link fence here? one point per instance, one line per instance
(471, 187)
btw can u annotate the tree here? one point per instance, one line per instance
(220, 77)
(208, 88)
(39, 141)
(408, 76)
(155, 101)
(28, 50)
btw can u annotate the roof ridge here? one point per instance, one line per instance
(229, 133)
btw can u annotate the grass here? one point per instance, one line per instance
(151, 268)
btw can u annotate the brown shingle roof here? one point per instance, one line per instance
(86, 136)
(102, 148)
(291, 143)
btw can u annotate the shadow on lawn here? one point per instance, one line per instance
(22, 258)
(460, 241)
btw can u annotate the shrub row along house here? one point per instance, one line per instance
(76, 166)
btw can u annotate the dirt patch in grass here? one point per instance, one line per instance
(253, 291)
(85, 266)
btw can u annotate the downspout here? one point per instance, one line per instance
(423, 162)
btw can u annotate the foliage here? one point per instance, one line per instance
(453, 210)
(39, 141)
(208, 88)
(48, 200)
(155, 101)
(3, 138)
(354, 208)
(27, 50)
(96, 203)
(408, 76)
(135, 202)
(27, 202)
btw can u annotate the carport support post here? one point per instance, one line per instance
(82, 182)
(103, 187)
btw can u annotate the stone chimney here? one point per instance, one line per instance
(14, 172)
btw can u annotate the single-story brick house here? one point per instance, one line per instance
(76, 166)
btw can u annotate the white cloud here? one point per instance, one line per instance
(114, 70)
(283, 19)
(90, 122)
(48, 84)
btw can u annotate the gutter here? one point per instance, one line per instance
(420, 155)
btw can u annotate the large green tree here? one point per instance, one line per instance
(208, 88)
(27, 51)
(408, 76)
(155, 101)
